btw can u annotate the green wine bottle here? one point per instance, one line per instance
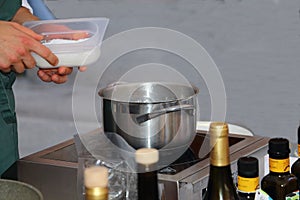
(279, 183)
(248, 178)
(220, 183)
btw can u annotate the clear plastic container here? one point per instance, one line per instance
(76, 42)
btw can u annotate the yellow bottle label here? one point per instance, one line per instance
(279, 165)
(248, 184)
(299, 150)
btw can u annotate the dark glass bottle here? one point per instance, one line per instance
(279, 182)
(147, 182)
(220, 182)
(248, 178)
(296, 166)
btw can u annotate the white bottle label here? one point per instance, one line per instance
(293, 196)
(261, 195)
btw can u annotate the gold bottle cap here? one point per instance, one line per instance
(219, 155)
(96, 176)
(146, 156)
(219, 128)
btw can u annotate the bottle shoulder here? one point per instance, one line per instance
(279, 181)
(220, 187)
(296, 165)
(246, 196)
(279, 177)
(277, 187)
(220, 194)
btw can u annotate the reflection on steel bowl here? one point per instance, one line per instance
(151, 114)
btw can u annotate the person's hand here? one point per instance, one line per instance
(57, 75)
(16, 43)
(60, 74)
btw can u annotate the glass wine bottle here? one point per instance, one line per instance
(220, 183)
(147, 182)
(279, 183)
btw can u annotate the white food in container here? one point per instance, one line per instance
(71, 59)
(71, 53)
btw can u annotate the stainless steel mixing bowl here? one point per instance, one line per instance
(150, 114)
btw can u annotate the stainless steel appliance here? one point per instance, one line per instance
(54, 170)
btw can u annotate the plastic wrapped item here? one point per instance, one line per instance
(96, 149)
(76, 42)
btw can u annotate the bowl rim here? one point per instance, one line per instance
(109, 91)
(24, 184)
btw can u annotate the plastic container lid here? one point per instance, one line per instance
(76, 42)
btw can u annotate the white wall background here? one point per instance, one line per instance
(255, 44)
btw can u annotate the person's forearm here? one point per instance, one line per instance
(23, 15)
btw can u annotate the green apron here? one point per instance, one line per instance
(8, 123)
(8, 8)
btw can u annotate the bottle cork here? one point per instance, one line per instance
(96, 176)
(146, 156)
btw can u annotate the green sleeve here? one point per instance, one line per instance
(8, 8)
